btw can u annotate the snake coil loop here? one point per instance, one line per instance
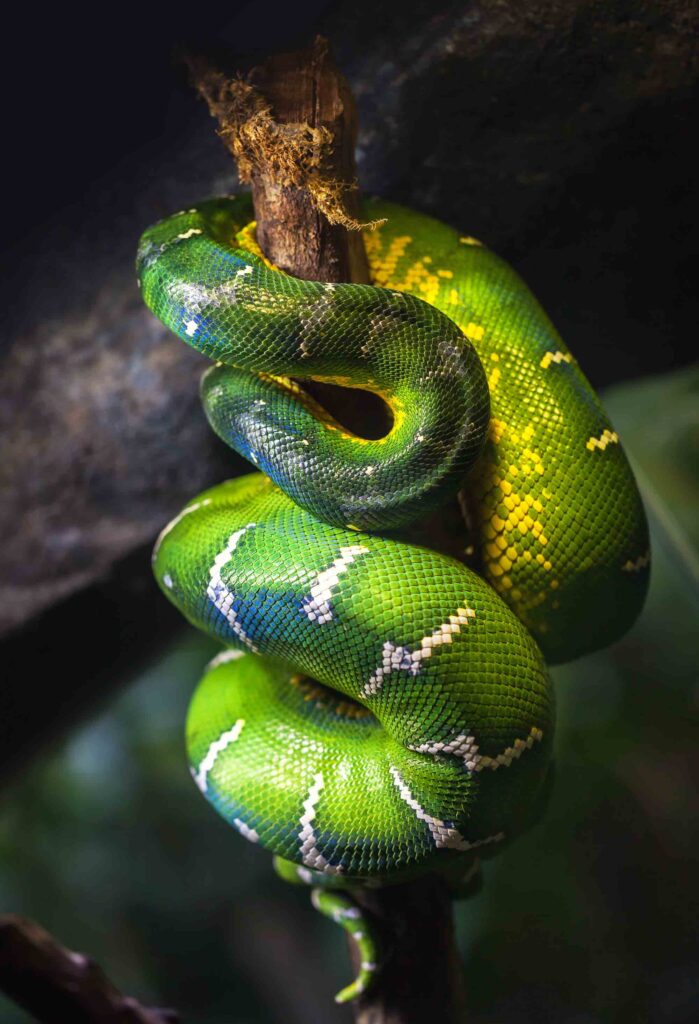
(380, 709)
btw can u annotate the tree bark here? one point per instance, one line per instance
(56, 985)
(306, 88)
(421, 976)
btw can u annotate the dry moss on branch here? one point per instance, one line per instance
(294, 155)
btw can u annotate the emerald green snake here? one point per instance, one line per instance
(381, 709)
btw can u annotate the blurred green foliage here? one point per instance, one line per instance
(590, 917)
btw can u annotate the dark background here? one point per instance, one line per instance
(562, 134)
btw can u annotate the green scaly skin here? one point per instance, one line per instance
(342, 910)
(380, 709)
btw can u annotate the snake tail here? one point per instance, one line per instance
(342, 909)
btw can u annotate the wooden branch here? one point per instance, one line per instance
(56, 985)
(292, 128)
(421, 977)
(306, 88)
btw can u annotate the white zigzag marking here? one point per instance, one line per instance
(444, 835)
(224, 657)
(194, 297)
(461, 746)
(178, 518)
(216, 748)
(219, 594)
(188, 295)
(246, 831)
(396, 659)
(317, 605)
(310, 855)
(466, 748)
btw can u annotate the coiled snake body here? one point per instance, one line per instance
(380, 709)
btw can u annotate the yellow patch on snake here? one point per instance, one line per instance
(419, 280)
(246, 239)
(496, 430)
(642, 562)
(607, 437)
(555, 357)
(474, 332)
(383, 267)
(511, 513)
(321, 697)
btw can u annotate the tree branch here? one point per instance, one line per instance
(422, 978)
(292, 128)
(56, 985)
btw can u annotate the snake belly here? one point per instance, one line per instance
(381, 709)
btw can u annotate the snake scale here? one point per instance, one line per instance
(381, 709)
